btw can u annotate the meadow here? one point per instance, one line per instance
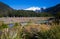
(29, 31)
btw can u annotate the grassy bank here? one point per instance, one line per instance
(30, 31)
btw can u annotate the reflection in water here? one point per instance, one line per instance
(10, 25)
(25, 23)
(41, 21)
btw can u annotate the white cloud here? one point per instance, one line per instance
(33, 8)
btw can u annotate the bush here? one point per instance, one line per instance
(3, 26)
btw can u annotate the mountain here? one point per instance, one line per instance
(4, 8)
(53, 9)
(33, 8)
(41, 10)
(36, 9)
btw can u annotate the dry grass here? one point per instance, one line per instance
(37, 27)
(22, 19)
(17, 31)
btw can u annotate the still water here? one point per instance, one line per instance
(25, 23)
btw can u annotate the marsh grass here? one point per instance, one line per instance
(32, 31)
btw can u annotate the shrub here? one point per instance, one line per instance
(3, 26)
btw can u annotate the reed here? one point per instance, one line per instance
(31, 31)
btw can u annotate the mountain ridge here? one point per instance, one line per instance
(55, 8)
(6, 10)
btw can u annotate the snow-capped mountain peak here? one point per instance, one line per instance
(33, 8)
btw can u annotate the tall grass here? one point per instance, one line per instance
(30, 32)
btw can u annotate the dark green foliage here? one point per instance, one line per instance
(16, 24)
(57, 18)
(23, 13)
(3, 26)
(4, 9)
(55, 11)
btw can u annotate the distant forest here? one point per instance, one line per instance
(7, 11)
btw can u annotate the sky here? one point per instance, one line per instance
(23, 4)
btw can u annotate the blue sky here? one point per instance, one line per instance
(22, 4)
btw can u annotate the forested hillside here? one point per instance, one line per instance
(7, 11)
